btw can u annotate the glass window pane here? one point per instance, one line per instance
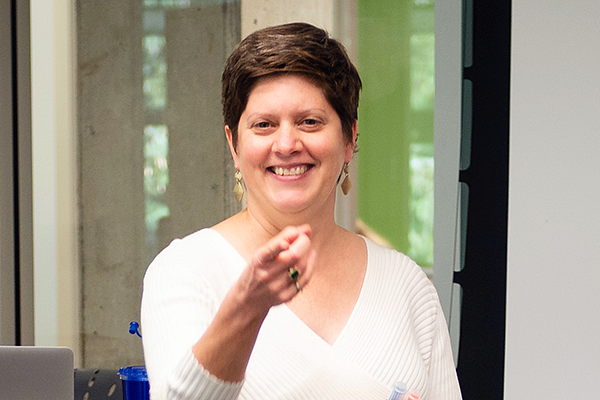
(395, 202)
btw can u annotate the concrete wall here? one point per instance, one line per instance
(110, 153)
(111, 121)
(257, 14)
(201, 171)
(552, 323)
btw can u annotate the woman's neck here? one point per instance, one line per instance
(322, 221)
(258, 223)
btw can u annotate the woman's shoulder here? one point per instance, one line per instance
(201, 250)
(394, 269)
(206, 239)
(391, 259)
(201, 263)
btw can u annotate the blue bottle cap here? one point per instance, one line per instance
(135, 373)
(399, 391)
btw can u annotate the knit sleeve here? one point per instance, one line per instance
(442, 372)
(177, 307)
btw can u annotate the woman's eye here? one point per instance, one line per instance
(262, 125)
(310, 122)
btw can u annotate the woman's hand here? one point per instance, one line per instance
(225, 347)
(266, 281)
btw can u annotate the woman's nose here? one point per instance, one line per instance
(287, 140)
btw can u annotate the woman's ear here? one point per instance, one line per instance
(351, 146)
(229, 136)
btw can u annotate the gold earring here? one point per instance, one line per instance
(238, 189)
(346, 184)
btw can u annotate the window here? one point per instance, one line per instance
(396, 62)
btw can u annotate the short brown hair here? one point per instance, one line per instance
(296, 48)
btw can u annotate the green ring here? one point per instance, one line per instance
(294, 273)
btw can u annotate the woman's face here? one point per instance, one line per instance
(290, 147)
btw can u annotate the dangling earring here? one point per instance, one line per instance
(238, 189)
(346, 184)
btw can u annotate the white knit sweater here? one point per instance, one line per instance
(396, 332)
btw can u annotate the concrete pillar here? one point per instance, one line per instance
(201, 170)
(110, 133)
(111, 155)
(258, 14)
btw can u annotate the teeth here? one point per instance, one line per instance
(291, 171)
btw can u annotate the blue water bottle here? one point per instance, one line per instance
(135, 383)
(134, 378)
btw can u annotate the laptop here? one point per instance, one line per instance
(32, 372)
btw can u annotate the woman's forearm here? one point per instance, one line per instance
(225, 348)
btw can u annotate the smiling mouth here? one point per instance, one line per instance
(289, 171)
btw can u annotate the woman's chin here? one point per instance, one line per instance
(291, 201)
(290, 206)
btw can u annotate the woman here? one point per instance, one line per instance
(279, 302)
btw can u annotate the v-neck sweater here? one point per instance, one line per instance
(396, 332)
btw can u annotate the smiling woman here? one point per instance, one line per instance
(290, 148)
(279, 290)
